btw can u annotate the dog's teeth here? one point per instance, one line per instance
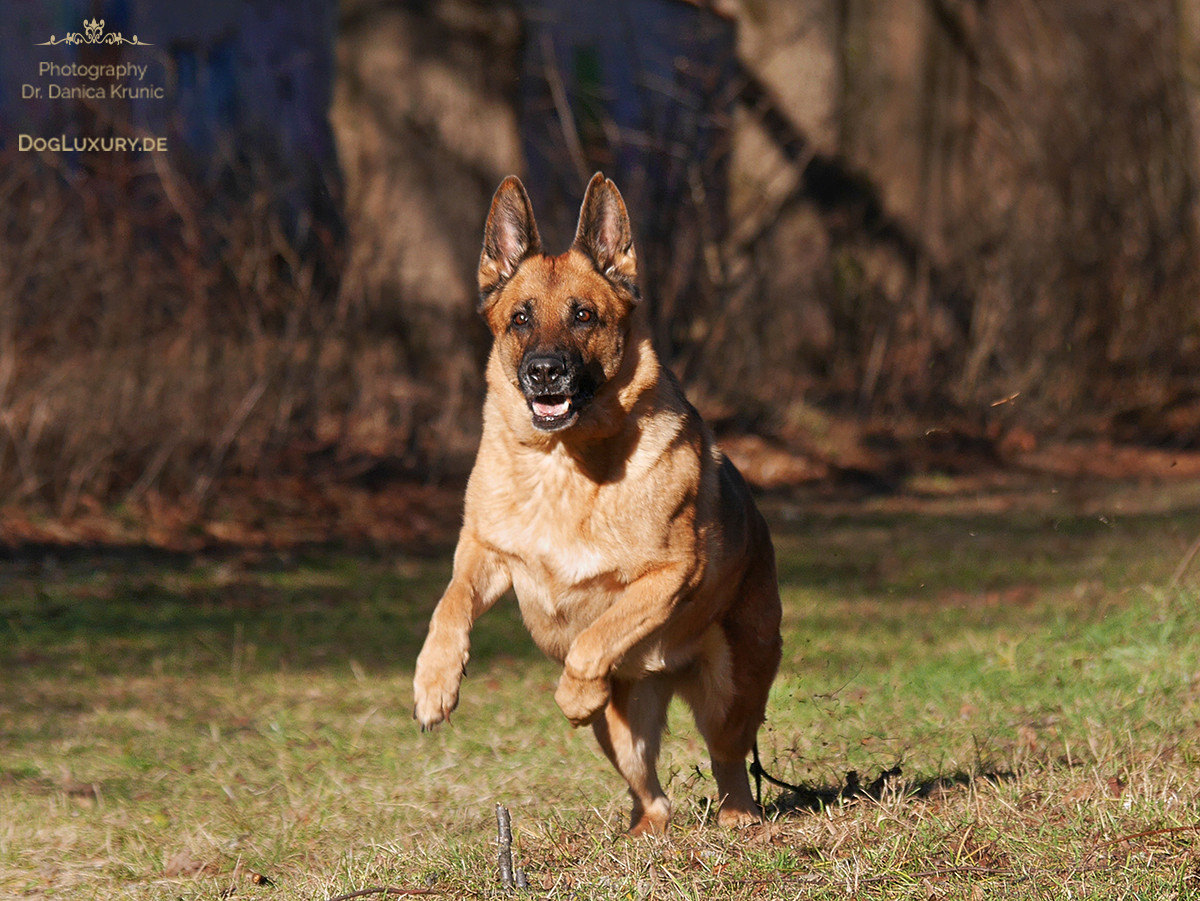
(547, 410)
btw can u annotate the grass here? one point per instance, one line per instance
(174, 727)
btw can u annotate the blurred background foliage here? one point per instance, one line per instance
(876, 237)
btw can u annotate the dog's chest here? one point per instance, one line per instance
(562, 525)
(566, 541)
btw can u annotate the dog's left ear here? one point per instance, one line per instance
(604, 233)
(509, 237)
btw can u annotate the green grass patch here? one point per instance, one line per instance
(170, 727)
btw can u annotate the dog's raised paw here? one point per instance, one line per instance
(434, 703)
(435, 687)
(581, 700)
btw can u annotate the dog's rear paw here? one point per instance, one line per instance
(736, 817)
(651, 819)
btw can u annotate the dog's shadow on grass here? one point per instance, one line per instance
(798, 800)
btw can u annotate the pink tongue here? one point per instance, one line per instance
(551, 410)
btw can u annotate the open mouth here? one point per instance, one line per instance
(551, 406)
(552, 412)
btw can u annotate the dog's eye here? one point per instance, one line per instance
(520, 318)
(584, 315)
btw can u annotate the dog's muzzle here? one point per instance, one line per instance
(550, 381)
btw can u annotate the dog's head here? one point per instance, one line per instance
(560, 324)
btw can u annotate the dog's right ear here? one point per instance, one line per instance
(509, 237)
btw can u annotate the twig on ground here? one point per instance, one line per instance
(504, 826)
(1149, 833)
(510, 878)
(385, 890)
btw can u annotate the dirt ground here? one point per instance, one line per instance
(373, 506)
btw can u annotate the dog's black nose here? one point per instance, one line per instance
(545, 371)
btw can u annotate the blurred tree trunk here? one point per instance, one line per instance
(425, 116)
(1043, 157)
(1079, 220)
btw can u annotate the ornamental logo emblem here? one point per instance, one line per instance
(93, 34)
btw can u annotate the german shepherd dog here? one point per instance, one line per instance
(639, 559)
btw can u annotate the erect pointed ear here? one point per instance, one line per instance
(509, 237)
(604, 233)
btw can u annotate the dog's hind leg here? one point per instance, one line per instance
(630, 732)
(728, 692)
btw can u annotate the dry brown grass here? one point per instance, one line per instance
(154, 340)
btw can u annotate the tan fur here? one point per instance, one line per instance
(639, 559)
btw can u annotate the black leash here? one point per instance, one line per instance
(759, 774)
(854, 787)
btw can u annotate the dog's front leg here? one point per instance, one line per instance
(479, 579)
(583, 688)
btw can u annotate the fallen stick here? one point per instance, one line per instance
(363, 893)
(510, 878)
(504, 824)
